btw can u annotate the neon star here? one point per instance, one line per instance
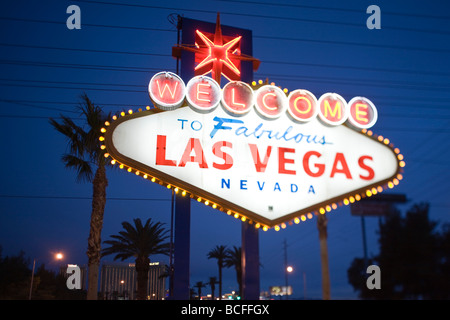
(215, 57)
(219, 57)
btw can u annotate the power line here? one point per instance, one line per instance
(341, 81)
(396, 129)
(346, 43)
(35, 106)
(84, 50)
(306, 64)
(80, 198)
(334, 9)
(351, 67)
(77, 83)
(405, 101)
(360, 82)
(79, 66)
(127, 105)
(132, 5)
(285, 18)
(68, 103)
(430, 86)
(374, 97)
(15, 116)
(69, 88)
(88, 24)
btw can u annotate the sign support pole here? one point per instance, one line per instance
(182, 248)
(323, 235)
(250, 262)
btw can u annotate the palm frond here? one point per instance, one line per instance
(83, 142)
(82, 167)
(138, 240)
(73, 132)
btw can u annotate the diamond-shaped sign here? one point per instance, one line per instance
(266, 168)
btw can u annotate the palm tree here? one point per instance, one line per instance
(234, 259)
(199, 285)
(219, 253)
(212, 282)
(85, 156)
(139, 241)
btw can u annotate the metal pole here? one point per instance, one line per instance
(363, 226)
(178, 41)
(250, 262)
(322, 226)
(181, 266)
(182, 248)
(304, 285)
(32, 278)
(171, 247)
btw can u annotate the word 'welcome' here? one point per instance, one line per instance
(168, 92)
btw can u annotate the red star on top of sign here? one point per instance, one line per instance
(217, 54)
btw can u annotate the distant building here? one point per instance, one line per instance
(118, 281)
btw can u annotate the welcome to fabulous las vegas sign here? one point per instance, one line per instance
(255, 151)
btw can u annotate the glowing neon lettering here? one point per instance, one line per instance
(303, 99)
(361, 115)
(166, 90)
(207, 93)
(237, 97)
(233, 99)
(270, 101)
(302, 105)
(204, 94)
(337, 109)
(264, 101)
(332, 109)
(166, 86)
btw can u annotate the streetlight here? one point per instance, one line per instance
(289, 269)
(57, 256)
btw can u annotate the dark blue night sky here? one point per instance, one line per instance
(321, 46)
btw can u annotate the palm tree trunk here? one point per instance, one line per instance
(94, 242)
(213, 288)
(239, 278)
(220, 282)
(142, 268)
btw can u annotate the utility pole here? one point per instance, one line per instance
(323, 235)
(304, 285)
